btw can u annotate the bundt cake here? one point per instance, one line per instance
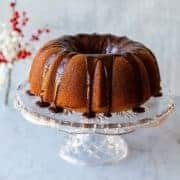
(92, 73)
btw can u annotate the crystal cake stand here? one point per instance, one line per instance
(98, 140)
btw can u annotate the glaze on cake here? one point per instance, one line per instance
(93, 73)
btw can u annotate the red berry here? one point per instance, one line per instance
(47, 30)
(34, 37)
(16, 14)
(2, 58)
(12, 4)
(17, 30)
(39, 31)
(15, 23)
(22, 54)
(24, 13)
(26, 19)
(12, 20)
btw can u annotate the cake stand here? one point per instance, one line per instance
(98, 140)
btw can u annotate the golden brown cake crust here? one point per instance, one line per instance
(93, 73)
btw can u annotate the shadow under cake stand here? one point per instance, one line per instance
(97, 140)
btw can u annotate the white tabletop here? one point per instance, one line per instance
(30, 152)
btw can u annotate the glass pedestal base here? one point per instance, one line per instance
(98, 140)
(93, 149)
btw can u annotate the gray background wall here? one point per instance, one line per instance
(154, 22)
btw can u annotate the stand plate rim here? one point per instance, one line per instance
(98, 126)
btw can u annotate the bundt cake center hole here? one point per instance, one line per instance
(97, 47)
(110, 49)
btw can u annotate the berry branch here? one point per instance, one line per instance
(13, 44)
(13, 37)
